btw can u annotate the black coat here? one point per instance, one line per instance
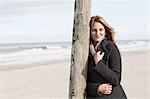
(108, 70)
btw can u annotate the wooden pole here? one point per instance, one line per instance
(80, 48)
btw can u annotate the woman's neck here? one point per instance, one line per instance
(98, 42)
(95, 43)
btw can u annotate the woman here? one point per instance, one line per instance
(104, 64)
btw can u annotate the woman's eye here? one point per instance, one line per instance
(93, 30)
(100, 29)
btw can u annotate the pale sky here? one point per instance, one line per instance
(52, 20)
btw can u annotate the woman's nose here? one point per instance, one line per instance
(98, 32)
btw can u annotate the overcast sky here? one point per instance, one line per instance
(52, 20)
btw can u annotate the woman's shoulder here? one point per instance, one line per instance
(108, 44)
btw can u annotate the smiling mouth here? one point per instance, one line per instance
(97, 36)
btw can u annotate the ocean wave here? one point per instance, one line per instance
(135, 45)
(18, 48)
(30, 53)
(33, 55)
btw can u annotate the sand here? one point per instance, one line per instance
(47, 81)
(50, 80)
(136, 74)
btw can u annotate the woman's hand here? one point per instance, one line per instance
(104, 89)
(92, 50)
(98, 56)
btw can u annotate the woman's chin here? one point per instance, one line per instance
(98, 40)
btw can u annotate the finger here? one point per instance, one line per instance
(109, 86)
(108, 92)
(92, 50)
(103, 53)
(99, 52)
(108, 89)
(91, 46)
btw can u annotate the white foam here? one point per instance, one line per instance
(34, 55)
(134, 46)
(24, 54)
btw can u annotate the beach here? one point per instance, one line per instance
(136, 74)
(50, 80)
(41, 81)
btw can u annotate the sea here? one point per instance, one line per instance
(26, 53)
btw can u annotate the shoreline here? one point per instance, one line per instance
(30, 65)
(35, 64)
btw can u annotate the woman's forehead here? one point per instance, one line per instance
(97, 24)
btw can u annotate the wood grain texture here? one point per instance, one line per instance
(80, 48)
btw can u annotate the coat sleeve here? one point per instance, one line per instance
(91, 88)
(111, 73)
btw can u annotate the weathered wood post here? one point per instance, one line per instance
(80, 48)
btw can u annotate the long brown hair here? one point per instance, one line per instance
(110, 33)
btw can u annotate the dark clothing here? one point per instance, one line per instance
(107, 70)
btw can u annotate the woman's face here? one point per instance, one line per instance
(97, 32)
